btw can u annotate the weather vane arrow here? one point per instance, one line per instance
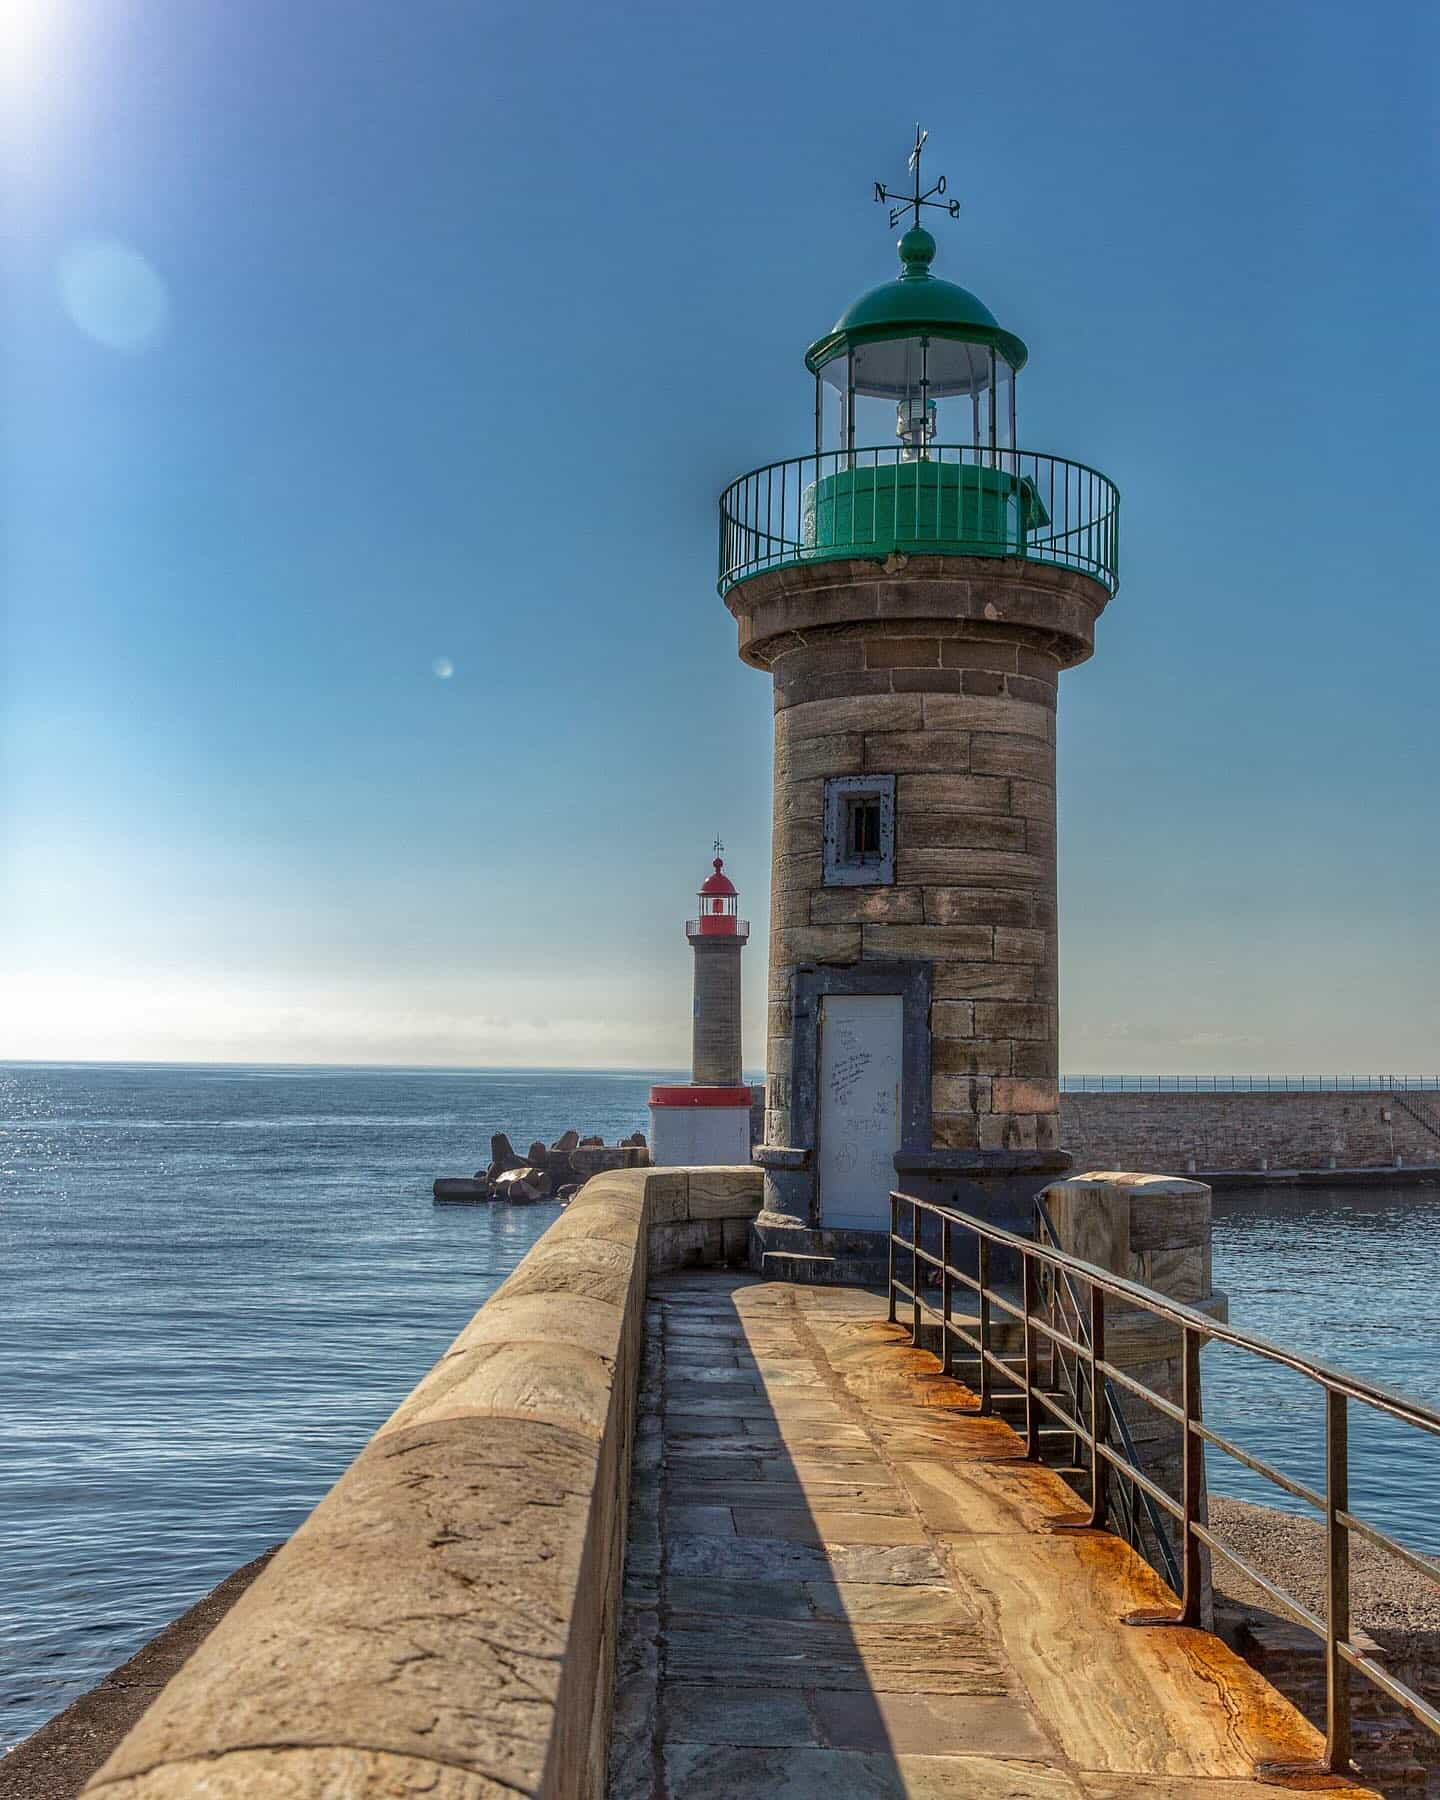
(913, 201)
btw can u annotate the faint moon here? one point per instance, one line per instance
(112, 294)
(443, 667)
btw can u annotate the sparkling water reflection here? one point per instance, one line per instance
(218, 1282)
(1350, 1276)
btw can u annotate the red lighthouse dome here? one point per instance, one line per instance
(719, 904)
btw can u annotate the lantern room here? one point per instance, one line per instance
(719, 907)
(916, 363)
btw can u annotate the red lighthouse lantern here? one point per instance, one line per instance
(719, 905)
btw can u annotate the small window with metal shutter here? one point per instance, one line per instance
(859, 830)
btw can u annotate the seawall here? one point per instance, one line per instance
(1210, 1134)
(445, 1621)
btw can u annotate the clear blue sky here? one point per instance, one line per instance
(347, 339)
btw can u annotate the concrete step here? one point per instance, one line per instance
(828, 1271)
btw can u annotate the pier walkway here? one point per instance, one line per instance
(839, 1584)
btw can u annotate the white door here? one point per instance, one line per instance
(859, 1107)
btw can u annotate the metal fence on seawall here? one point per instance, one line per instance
(1248, 1084)
(1060, 1305)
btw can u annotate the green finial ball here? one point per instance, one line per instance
(917, 251)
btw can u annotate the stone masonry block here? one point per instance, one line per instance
(974, 712)
(902, 653)
(1021, 946)
(796, 835)
(978, 653)
(953, 1018)
(974, 868)
(863, 712)
(867, 905)
(805, 690)
(802, 869)
(917, 795)
(667, 1195)
(1018, 1094)
(823, 943)
(972, 1056)
(719, 1193)
(990, 981)
(790, 907)
(1039, 1059)
(955, 1131)
(1016, 1019)
(959, 830)
(961, 1093)
(1034, 799)
(964, 943)
(987, 906)
(828, 656)
(1004, 753)
(902, 752)
(838, 755)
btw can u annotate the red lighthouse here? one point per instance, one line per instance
(709, 1121)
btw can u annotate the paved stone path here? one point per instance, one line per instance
(839, 1585)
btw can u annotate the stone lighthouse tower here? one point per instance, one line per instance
(709, 1121)
(913, 586)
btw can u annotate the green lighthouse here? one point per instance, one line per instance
(914, 586)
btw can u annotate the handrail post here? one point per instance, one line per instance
(987, 1391)
(1337, 1582)
(1032, 1369)
(1099, 1414)
(946, 1360)
(915, 1272)
(894, 1227)
(1193, 1476)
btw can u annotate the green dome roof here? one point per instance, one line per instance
(916, 304)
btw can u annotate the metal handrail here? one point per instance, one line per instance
(1249, 1084)
(1118, 1424)
(1342, 1653)
(955, 499)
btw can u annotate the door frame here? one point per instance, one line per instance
(912, 979)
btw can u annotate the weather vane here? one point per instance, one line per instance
(913, 201)
(719, 848)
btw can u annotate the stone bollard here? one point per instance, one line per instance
(1155, 1230)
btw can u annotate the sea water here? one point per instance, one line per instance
(218, 1282)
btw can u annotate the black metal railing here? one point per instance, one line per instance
(1109, 1458)
(1141, 1522)
(1249, 1084)
(955, 499)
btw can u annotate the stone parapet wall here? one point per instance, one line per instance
(1212, 1132)
(445, 1621)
